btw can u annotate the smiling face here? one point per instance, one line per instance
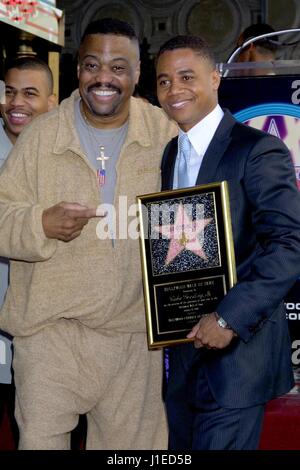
(108, 71)
(187, 86)
(27, 95)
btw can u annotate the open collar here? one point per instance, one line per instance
(67, 137)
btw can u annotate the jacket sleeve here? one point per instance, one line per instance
(270, 186)
(21, 232)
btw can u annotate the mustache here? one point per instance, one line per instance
(15, 109)
(106, 86)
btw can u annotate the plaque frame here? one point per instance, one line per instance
(184, 278)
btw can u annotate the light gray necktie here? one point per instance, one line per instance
(184, 145)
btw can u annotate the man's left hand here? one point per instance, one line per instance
(208, 334)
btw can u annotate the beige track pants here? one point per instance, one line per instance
(68, 369)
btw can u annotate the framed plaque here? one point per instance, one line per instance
(187, 256)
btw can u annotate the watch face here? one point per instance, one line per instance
(222, 323)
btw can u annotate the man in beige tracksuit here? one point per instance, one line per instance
(75, 301)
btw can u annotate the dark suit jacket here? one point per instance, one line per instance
(265, 210)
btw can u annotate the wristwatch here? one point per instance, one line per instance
(223, 323)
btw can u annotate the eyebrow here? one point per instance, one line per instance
(92, 56)
(29, 88)
(181, 72)
(89, 56)
(161, 75)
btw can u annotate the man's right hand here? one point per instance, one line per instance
(65, 220)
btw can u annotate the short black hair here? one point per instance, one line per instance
(30, 63)
(259, 29)
(196, 43)
(110, 26)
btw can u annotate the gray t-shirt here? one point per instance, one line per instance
(91, 140)
(6, 144)
(5, 343)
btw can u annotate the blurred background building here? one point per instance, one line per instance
(220, 22)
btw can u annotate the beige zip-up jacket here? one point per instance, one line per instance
(85, 279)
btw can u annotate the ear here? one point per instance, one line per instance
(78, 71)
(248, 53)
(52, 101)
(252, 53)
(216, 79)
(137, 72)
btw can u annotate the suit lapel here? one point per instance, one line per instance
(211, 159)
(216, 150)
(168, 164)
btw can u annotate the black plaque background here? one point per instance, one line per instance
(194, 295)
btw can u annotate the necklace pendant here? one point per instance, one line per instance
(102, 158)
(101, 172)
(101, 176)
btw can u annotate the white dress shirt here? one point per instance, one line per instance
(200, 137)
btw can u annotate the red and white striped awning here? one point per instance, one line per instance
(40, 18)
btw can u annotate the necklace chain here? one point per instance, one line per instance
(102, 158)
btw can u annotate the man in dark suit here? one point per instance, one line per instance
(240, 356)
